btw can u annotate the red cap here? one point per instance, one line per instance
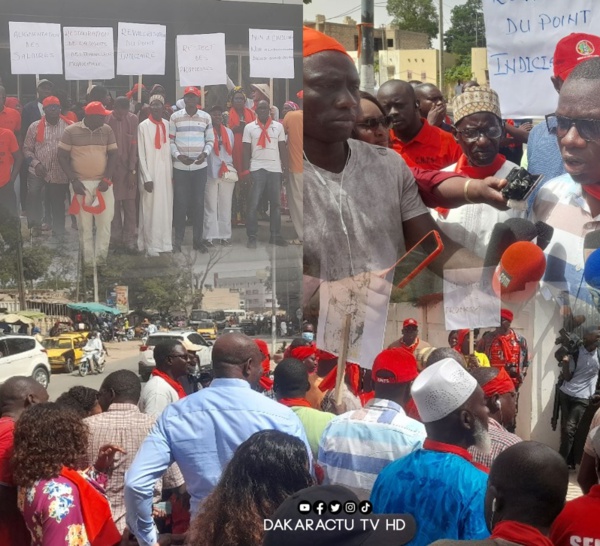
(572, 50)
(399, 362)
(50, 100)
(505, 314)
(410, 322)
(96, 108)
(191, 90)
(314, 41)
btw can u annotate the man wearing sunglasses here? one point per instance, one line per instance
(478, 132)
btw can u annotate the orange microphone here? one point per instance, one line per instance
(521, 267)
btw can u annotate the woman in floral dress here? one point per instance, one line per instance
(60, 504)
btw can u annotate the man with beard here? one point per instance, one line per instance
(501, 400)
(418, 142)
(441, 485)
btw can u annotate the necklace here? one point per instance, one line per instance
(337, 201)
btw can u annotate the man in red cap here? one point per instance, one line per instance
(501, 400)
(9, 117)
(543, 155)
(87, 153)
(506, 349)
(45, 174)
(192, 139)
(358, 444)
(410, 337)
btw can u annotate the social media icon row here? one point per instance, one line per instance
(334, 507)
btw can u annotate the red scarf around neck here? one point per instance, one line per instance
(97, 518)
(160, 128)
(176, 385)
(41, 128)
(265, 382)
(520, 533)
(289, 402)
(264, 135)
(234, 117)
(463, 167)
(592, 190)
(434, 445)
(224, 138)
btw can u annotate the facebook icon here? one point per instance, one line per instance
(319, 507)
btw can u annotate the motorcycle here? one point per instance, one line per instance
(86, 362)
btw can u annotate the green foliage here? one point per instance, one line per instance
(36, 261)
(415, 15)
(467, 28)
(461, 72)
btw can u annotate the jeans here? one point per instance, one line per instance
(262, 180)
(188, 200)
(55, 202)
(571, 412)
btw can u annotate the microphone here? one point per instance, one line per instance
(506, 234)
(523, 230)
(591, 271)
(521, 267)
(544, 234)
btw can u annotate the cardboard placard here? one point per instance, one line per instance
(35, 48)
(141, 49)
(89, 53)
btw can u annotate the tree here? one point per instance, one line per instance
(461, 72)
(415, 15)
(36, 261)
(467, 28)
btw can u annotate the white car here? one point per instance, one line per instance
(147, 364)
(23, 355)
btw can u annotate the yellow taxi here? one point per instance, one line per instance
(207, 329)
(65, 351)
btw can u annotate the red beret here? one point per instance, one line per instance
(314, 41)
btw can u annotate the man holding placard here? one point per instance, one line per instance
(87, 152)
(265, 158)
(192, 138)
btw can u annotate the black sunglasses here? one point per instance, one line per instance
(372, 123)
(588, 129)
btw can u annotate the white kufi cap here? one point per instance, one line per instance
(441, 389)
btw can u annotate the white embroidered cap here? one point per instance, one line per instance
(441, 389)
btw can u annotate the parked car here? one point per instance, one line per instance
(65, 351)
(248, 327)
(233, 330)
(146, 363)
(23, 355)
(207, 329)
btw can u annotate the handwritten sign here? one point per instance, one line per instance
(201, 59)
(271, 53)
(469, 302)
(35, 48)
(521, 38)
(89, 53)
(141, 49)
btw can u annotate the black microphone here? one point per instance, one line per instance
(524, 230)
(544, 234)
(591, 242)
(502, 237)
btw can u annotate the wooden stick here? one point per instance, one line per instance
(341, 365)
(139, 93)
(471, 341)
(202, 100)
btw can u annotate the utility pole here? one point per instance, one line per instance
(441, 58)
(367, 47)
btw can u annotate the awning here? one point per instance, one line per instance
(94, 308)
(13, 318)
(32, 314)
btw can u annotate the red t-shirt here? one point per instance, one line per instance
(578, 524)
(8, 146)
(7, 429)
(432, 148)
(10, 119)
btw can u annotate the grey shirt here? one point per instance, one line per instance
(583, 382)
(353, 219)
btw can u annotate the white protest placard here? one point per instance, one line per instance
(271, 53)
(521, 37)
(201, 59)
(366, 298)
(141, 49)
(469, 302)
(35, 48)
(89, 53)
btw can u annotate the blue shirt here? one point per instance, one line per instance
(200, 433)
(443, 491)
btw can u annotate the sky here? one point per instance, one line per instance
(333, 8)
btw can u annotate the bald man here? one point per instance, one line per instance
(526, 491)
(432, 105)
(16, 395)
(418, 142)
(202, 431)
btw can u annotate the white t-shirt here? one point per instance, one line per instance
(265, 158)
(157, 394)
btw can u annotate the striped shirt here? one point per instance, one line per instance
(356, 446)
(190, 136)
(45, 152)
(89, 149)
(500, 439)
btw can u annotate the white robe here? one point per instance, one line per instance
(156, 208)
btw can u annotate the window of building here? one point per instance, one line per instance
(378, 44)
(390, 43)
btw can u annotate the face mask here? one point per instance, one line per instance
(309, 336)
